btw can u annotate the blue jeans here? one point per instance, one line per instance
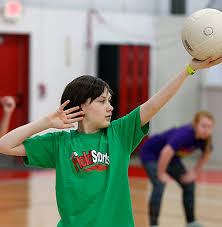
(175, 170)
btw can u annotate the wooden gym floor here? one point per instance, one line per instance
(28, 199)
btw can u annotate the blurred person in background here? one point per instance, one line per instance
(161, 155)
(8, 105)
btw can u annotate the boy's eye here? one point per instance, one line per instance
(102, 101)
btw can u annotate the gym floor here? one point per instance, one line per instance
(28, 199)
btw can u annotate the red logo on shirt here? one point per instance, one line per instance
(93, 161)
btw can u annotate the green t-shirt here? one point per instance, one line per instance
(92, 188)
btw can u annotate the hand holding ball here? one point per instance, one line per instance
(202, 34)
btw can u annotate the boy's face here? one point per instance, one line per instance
(98, 113)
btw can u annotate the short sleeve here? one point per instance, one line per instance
(129, 129)
(42, 151)
(180, 138)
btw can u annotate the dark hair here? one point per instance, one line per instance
(83, 88)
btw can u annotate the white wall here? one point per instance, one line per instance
(119, 29)
(170, 59)
(63, 36)
(47, 52)
(213, 101)
(151, 7)
(194, 5)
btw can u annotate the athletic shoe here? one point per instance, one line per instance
(194, 224)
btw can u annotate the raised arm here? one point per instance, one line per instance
(8, 105)
(156, 102)
(12, 142)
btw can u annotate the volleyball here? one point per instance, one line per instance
(202, 34)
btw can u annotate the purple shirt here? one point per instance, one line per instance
(181, 139)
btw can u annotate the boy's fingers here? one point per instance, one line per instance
(74, 120)
(75, 114)
(71, 110)
(69, 122)
(217, 61)
(64, 104)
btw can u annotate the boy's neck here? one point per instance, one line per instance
(84, 128)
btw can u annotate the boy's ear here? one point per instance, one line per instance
(81, 107)
(84, 105)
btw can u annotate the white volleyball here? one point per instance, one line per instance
(202, 34)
